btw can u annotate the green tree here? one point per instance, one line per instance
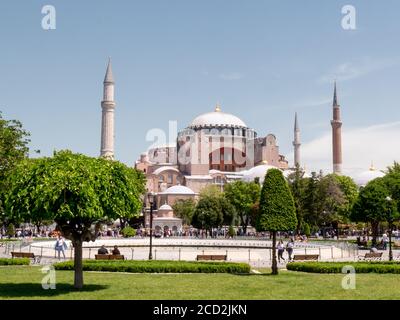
(371, 206)
(298, 186)
(243, 196)
(212, 209)
(277, 209)
(207, 214)
(13, 149)
(392, 181)
(184, 209)
(312, 202)
(78, 192)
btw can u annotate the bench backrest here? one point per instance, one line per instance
(305, 257)
(109, 257)
(211, 257)
(23, 254)
(373, 255)
(102, 257)
(116, 257)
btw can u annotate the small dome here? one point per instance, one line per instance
(179, 190)
(364, 177)
(257, 172)
(165, 207)
(217, 118)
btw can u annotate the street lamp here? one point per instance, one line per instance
(390, 220)
(150, 197)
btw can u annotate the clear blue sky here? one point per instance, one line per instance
(172, 60)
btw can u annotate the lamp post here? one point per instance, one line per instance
(150, 197)
(390, 220)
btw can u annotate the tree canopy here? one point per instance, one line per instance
(13, 149)
(75, 191)
(372, 205)
(277, 209)
(212, 209)
(184, 209)
(243, 196)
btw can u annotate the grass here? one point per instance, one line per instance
(24, 282)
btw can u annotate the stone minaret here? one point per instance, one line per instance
(296, 142)
(336, 136)
(107, 120)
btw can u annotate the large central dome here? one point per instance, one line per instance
(217, 118)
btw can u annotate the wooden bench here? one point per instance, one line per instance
(29, 255)
(371, 256)
(204, 257)
(305, 257)
(109, 257)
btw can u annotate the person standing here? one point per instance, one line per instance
(289, 248)
(385, 240)
(60, 246)
(281, 249)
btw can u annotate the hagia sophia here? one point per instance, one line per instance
(216, 148)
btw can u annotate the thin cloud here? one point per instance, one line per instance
(349, 70)
(232, 76)
(361, 146)
(314, 103)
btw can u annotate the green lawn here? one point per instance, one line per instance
(24, 282)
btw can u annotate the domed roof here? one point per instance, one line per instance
(257, 172)
(217, 118)
(179, 190)
(165, 207)
(364, 177)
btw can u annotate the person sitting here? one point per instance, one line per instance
(103, 250)
(116, 251)
(364, 241)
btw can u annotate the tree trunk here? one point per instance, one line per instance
(78, 280)
(390, 242)
(274, 262)
(245, 224)
(375, 227)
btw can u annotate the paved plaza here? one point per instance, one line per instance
(257, 253)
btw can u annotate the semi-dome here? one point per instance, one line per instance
(217, 118)
(364, 177)
(179, 190)
(257, 172)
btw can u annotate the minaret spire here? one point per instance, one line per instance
(109, 75)
(107, 122)
(336, 135)
(296, 142)
(335, 101)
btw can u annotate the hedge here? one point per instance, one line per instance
(336, 267)
(15, 262)
(157, 266)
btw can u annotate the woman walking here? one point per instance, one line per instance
(281, 249)
(61, 245)
(289, 248)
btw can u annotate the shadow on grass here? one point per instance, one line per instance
(254, 274)
(19, 290)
